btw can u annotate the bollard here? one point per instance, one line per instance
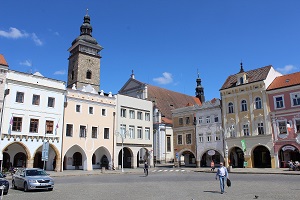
(102, 169)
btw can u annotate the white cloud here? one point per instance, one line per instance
(13, 33)
(287, 69)
(165, 79)
(26, 63)
(60, 72)
(36, 40)
(56, 33)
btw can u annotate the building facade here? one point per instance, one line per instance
(32, 121)
(284, 102)
(134, 128)
(246, 119)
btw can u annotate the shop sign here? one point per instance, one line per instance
(211, 152)
(288, 148)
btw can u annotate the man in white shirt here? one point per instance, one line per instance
(222, 173)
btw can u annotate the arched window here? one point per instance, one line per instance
(89, 74)
(244, 105)
(257, 103)
(230, 107)
(241, 80)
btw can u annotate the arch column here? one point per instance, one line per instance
(29, 163)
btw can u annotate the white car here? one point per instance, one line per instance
(32, 179)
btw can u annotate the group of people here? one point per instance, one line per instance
(294, 165)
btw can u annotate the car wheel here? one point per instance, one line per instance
(13, 185)
(5, 193)
(50, 189)
(25, 187)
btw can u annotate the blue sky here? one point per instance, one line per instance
(165, 42)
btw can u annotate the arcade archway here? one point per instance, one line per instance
(126, 159)
(261, 157)
(236, 157)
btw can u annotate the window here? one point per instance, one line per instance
(295, 99)
(78, 108)
(36, 99)
(218, 137)
(282, 127)
(88, 74)
(49, 127)
(187, 120)
(180, 121)
(51, 102)
(297, 124)
(72, 75)
(69, 131)
(188, 138)
(17, 124)
(232, 131)
(179, 139)
(208, 119)
(279, 102)
(123, 112)
(241, 80)
(244, 105)
(123, 130)
(106, 133)
(200, 120)
(94, 132)
(246, 129)
(208, 137)
(139, 115)
(230, 107)
(201, 137)
(91, 110)
(260, 128)
(257, 103)
(20, 97)
(34, 125)
(168, 144)
(147, 133)
(216, 118)
(131, 132)
(139, 133)
(82, 132)
(147, 116)
(131, 114)
(103, 112)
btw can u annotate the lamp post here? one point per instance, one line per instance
(6, 92)
(122, 134)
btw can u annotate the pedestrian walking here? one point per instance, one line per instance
(54, 164)
(146, 167)
(222, 173)
(212, 165)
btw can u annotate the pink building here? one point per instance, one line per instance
(284, 101)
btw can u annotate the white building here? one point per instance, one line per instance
(134, 125)
(210, 141)
(32, 116)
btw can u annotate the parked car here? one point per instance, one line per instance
(3, 184)
(32, 179)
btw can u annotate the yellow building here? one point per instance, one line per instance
(246, 120)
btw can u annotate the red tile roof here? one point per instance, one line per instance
(2, 60)
(285, 81)
(167, 100)
(253, 76)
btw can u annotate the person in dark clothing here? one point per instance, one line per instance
(54, 164)
(146, 167)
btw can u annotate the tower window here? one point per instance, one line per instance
(72, 75)
(88, 74)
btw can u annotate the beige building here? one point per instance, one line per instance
(88, 129)
(246, 119)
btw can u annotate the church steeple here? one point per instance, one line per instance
(200, 90)
(84, 59)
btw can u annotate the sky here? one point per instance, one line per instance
(166, 43)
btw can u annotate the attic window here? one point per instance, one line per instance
(241, 80)
(171, 105)
(287, 80)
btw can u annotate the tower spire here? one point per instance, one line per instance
(242, 69)
(199, 89)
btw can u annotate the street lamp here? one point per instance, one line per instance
(122, 134)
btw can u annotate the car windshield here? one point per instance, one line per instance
(35, 172)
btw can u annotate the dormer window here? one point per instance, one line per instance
(241, 80)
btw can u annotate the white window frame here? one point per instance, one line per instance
(92, 134)
(258, 103)
(207, 119)
(275, 102)
(297, 98)
(260, 125)
(132, 114)
(295, 125)
(103, 112)
(78, 106)
(147, 133)
(188, 135)
(201, 137)
(123, 112)
(230, 107)
(200, 120)
(244, 106)
(217, 136)
(131, 132)
(284, 128)
(208, 137)
(139, 115)
(147, 116)
(181, 139)
(139, 132)
(246, 131)
(91, 110)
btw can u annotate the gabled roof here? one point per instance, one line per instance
(285, 81)
(255, 75)
(3, 61)
(167, 100)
